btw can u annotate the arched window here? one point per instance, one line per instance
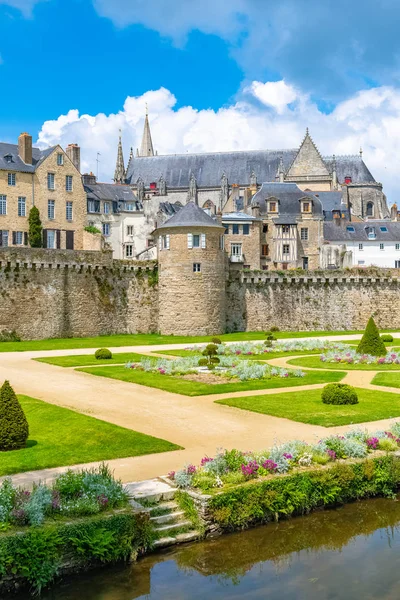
(209, 207)
(370, 209)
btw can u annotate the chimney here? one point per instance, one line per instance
(25, 148)
(394, 212)
(74, 154)
(89, 178)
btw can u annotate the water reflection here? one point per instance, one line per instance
(330, 555)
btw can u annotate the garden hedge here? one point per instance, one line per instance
(371, 342)
(263, 501)
(339, 393)
(14, 429)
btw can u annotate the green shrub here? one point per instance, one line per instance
(203, 362)
(211, 359)
(339, 393)
(14, 429)
(274, 328)
(216, 340)
(204, 481)
(103, 354)
(233, 478)
(387, 445)
(92, 229)
(370, 342)
(35, 228)
(9, 336)
(386, 337)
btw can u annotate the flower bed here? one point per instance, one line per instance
(257, 348)
(229, 367)
(235, 467)
(351, 357)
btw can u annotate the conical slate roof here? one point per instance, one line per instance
(190, 215)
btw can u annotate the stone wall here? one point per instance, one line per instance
(321, 300)
(55, 293)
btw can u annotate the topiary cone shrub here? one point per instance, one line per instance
(14, 429)
(371, 342)
(103, 353)
(211, 359)
(339, 393)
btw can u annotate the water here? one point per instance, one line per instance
(350, 552)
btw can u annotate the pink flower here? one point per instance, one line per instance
(205, 460)
(270, 465)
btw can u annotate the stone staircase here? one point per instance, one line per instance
(157, 497)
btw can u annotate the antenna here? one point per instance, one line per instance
(97, 161)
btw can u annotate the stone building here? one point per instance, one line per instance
(192, 273)
(48, 179)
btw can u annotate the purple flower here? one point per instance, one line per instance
(372, 443)
(331, 454)
(190, 469)
(250, 469)
(238, 352)
(19, 515)
(102, 500)
(205, 460)
(288, 456)
(171, 475)
(271, 466)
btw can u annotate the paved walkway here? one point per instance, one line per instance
(195, 423)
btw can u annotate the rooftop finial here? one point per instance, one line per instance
(361, 152)
(147, 109)
(146, 148)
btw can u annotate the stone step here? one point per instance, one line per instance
(150, 491)
(180, 538)
(171, 517)
(172, 526)
(168, 507)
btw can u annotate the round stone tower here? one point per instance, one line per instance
(191, 262)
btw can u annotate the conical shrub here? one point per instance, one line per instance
(371, 342)
(14, 429)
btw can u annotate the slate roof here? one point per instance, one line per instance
(17, 164)
(289, 195)
(169, 208)
(339, 233)
(110, 191)
(190, 215)
(208, 168)
(332, 201)
(238, 216)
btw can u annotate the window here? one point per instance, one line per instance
(3, 238)
(285, 228)
(361, 263)
(129, 206)
(236, 250)
(397, 247)
(370, 209)
(361, 247)
(196, 240)
(371, 233)
(304, 234)
(68, 211)
(11, 179)
(18, 238)
(51, 209)
(51, 238)
(129, 250)
(68, 183)
(305, 263)
(264, 250)
(235, 228)
(106, 208)
(165, 242)
(381, 246)
(22, 206)
(383, 229)
(3, 205)
(196, 267)
(60, 159)
(397, 264)
(106, 228)
(221, 242)
(265, 228)
(93, 206)
(350, 229)
(306, 207)
(50, 181)
(286, 249)
(129, 230)
(226, 229)
(272, 207)
(246, 229)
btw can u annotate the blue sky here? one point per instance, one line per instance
(216, 75)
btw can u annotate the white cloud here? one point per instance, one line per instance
(266, 115)
(25, 6)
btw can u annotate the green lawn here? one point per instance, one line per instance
(315, 363)
(60, 437)
(194, 388)
(86, 360)
(152, 339)
(307, 407)
(387, 379)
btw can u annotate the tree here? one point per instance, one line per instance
(371, 342)
(35, 228)
(211, 359)
(14, 429)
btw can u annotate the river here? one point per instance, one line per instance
(350, 552)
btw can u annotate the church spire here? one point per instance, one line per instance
(146, 149)
(119, 174)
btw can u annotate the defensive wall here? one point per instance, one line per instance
(61, 293)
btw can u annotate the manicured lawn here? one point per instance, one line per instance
(387, 379)
(85, 360)
(194, 388)
(266, 356)
(60, 437)
(315, 363)
(307, 407)
(113, 341)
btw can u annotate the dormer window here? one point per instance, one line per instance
(306, 206)
(371, 233)
(8, 158)
(272, 206)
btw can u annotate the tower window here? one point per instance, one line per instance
(370, 209)
(196, 267)
(304, 234)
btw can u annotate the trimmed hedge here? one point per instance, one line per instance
(386, 337)
(339, 393)
(36, 556)
(371, 342)
(103, 353)
(297, 494)
(14, 429)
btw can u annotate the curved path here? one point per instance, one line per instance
(196, 423)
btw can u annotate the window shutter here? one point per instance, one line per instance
(167, 242)
(58, 237)
(1, 239)
(190, 240)
(14, 238)
(25, 238)
(44, 238)
(69, 235)
(160, 242)
(203, 240)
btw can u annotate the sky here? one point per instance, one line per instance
(216, 75)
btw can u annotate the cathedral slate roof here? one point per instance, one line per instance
(17, 164)
(289, 195)
(334, 232)
(208, 168)
(110, 191)
(190, 215)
